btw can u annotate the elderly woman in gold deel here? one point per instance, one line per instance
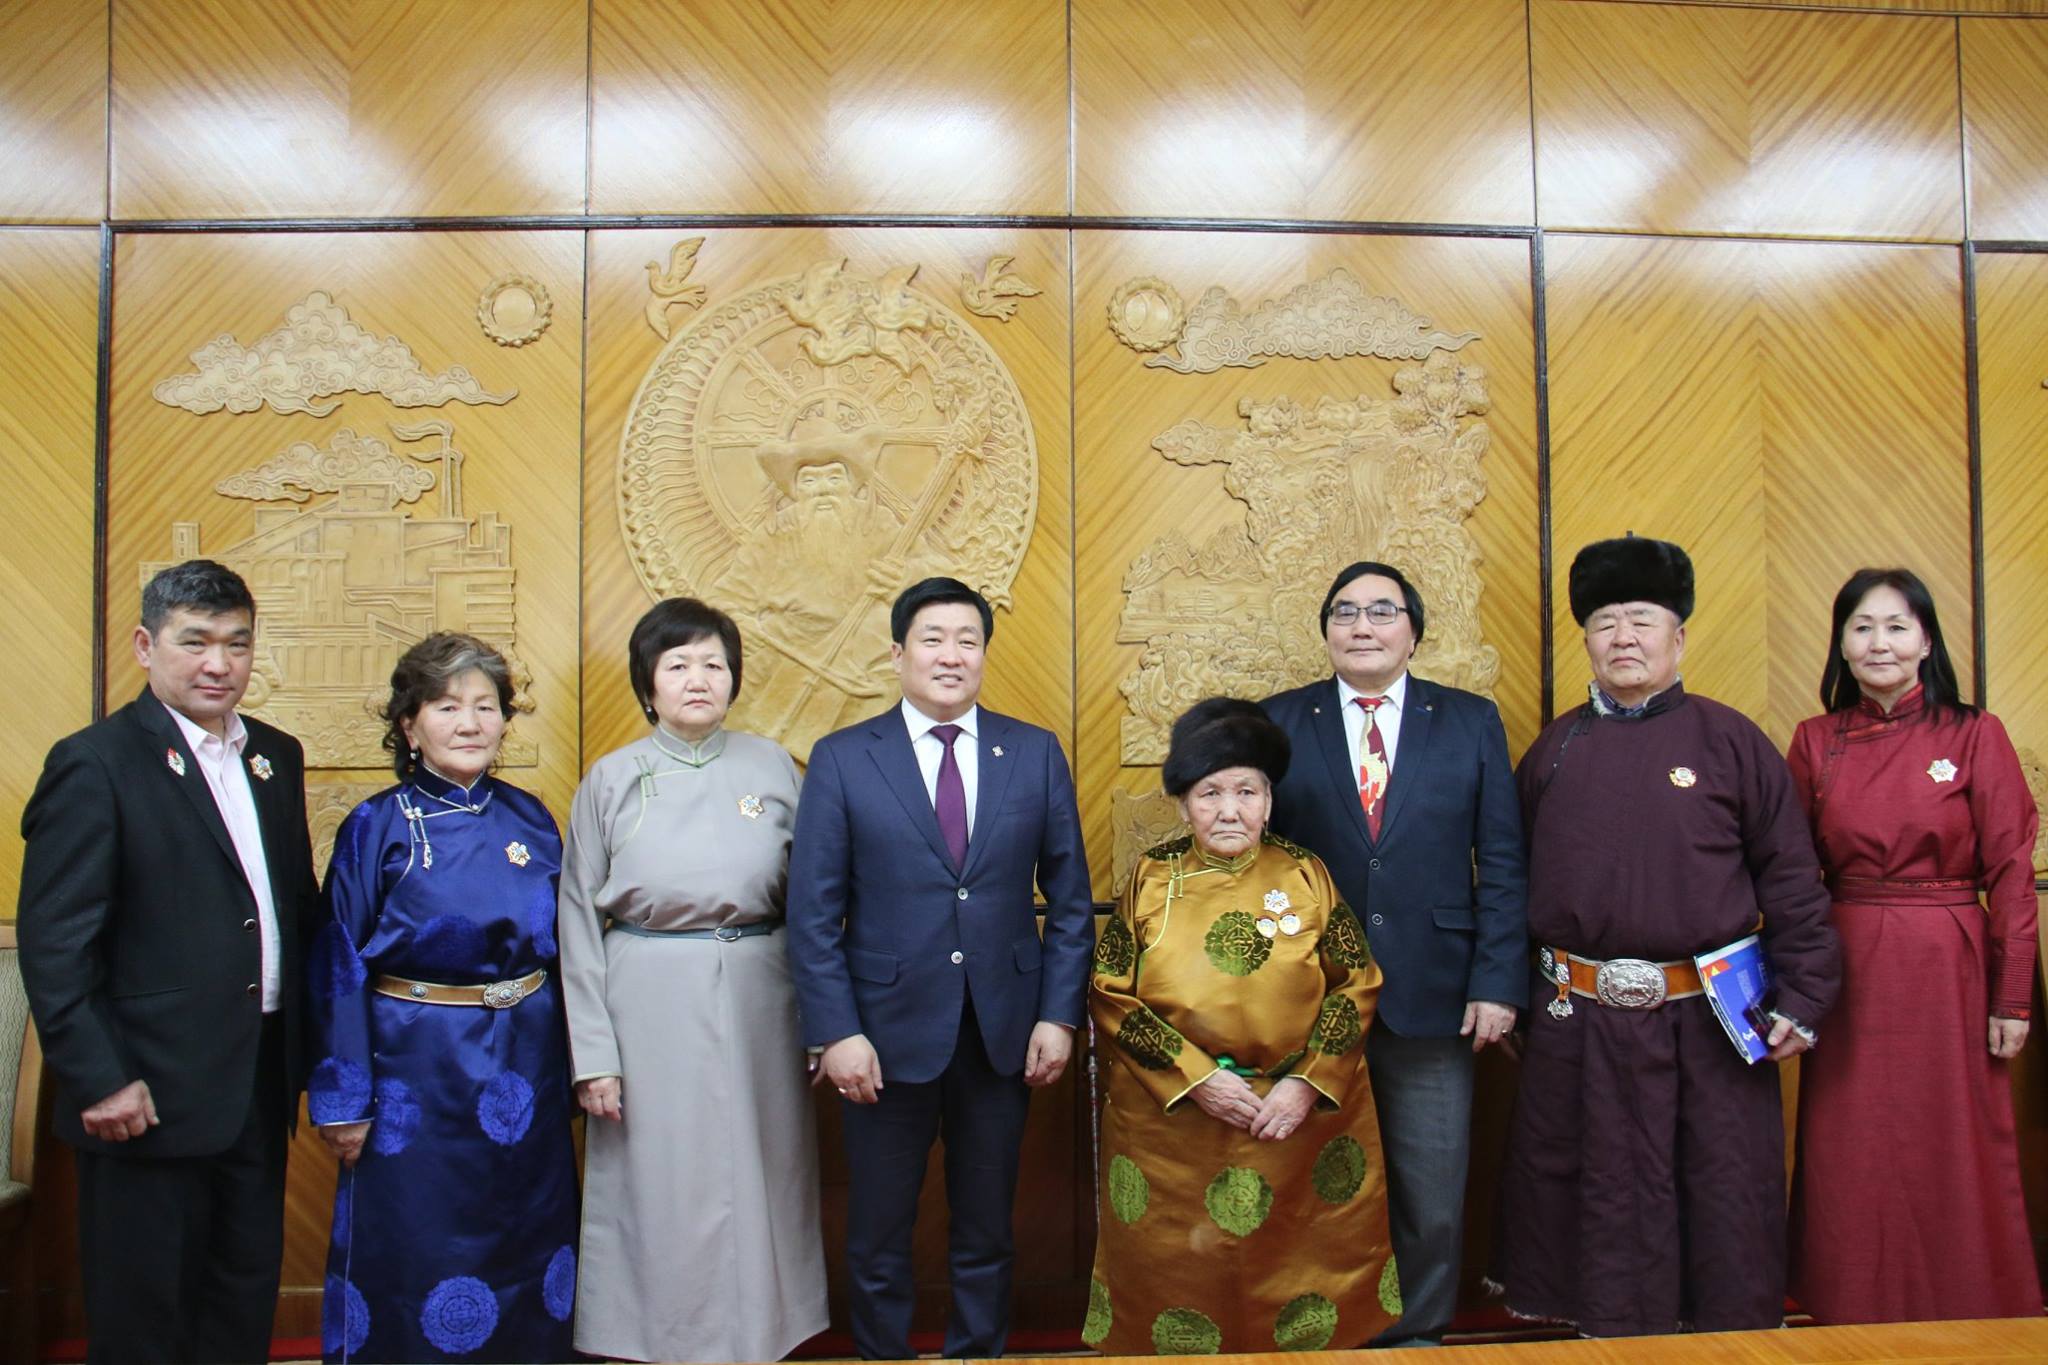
(1243, 1200)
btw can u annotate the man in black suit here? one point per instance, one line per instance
(1405, 790)
(166, 888)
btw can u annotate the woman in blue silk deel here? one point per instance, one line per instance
(440, 1075)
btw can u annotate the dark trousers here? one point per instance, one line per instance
(981, 1116)
(181, 1256)
(1423, 1088)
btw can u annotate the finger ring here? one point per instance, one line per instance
(842, 1090)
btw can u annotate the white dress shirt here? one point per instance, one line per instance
(931, 750)
(1387, 717)
(227, 778)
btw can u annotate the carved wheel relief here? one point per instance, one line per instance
(1323, 482)
(798, 454)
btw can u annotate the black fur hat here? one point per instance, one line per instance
(1222, 732)
(1631, 569)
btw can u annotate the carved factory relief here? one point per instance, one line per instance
(997, 292)
(669, 286)
(514, 310)
(799, 453)
(317, 353)
(1325, 319)
(346, 579)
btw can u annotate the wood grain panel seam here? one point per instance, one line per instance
(1962, 130)
(1823, 7)
(102, 444)
(1974, 428)
(607, 222)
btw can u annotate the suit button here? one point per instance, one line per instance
(961, 893)
(248, 926)
(1374, 864)
(251, 991)
(1376, 919)
(958, 957)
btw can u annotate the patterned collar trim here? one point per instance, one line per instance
(1605, 705)
(1230, 865)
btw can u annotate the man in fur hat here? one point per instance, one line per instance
(1645, 1183)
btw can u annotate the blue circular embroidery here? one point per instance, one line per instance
(336, 968)
(505, 1109)
(540, 919)
(344, 1318)
(398, 1117)
(337, 1091)
(558, 1286)
(460, 1314)
(450, 943)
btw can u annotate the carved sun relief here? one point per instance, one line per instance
(799, 454)
(317, 353)
(346, 580)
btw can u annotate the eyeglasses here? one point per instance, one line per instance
(1380, 613)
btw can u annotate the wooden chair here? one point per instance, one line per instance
(21, 1075)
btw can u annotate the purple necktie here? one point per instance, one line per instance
(951, 802)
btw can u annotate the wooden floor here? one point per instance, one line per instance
(1992, 1339)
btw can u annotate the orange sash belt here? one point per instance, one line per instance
(1928, 891)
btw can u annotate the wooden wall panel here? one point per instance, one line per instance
(49, 349)
(2005, 88)
(1127, 494)
(1393, 110)
(2012, 330)
(1661, 118)
(864, 106)
(53, 105)
(1788, 412)
(369, 108)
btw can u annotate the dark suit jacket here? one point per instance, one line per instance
(137, 926)
(1443, 892)
(878, 912)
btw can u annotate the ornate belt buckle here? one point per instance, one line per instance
(725, 933)
(1630, 983)
(503, 995)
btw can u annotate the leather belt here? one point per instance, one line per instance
(492, 995)
(724, 933)
(1622, 983)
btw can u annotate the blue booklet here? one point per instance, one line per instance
(1737, 979)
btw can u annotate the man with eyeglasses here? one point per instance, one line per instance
(1404, 788)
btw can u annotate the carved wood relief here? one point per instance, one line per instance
(670, 287)
(514, 310)
(1325, 319)
(317, 353)
(1322, 482)
(800, 452)
(997, 292)
(2037, 786)
(346, 580)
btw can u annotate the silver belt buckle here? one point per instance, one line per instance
(725, 933)
(1630, 983)
(503, 995)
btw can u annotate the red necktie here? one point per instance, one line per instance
(1373, 771)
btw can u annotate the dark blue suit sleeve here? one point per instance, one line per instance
(820, 880)
(1069, 901)
(1500, 958)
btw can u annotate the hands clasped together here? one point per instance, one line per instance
(1226, 1098)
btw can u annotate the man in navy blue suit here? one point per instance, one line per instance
(919, 968)
(1405, 790)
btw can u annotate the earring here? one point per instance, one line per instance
(649, 709)
(412, 755)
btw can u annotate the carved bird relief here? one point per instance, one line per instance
(995, 294)
(668, 286)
